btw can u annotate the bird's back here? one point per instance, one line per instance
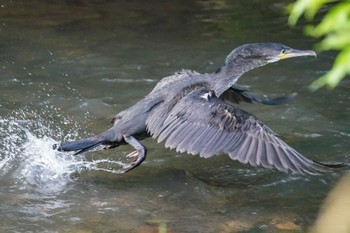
(176, 80)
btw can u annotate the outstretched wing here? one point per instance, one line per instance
(238, 93)
(200, 123)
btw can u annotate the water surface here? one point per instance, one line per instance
(67, 67)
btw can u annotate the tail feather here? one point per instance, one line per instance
(108, 138)
(79, 145)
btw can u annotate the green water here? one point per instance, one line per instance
(67, 67)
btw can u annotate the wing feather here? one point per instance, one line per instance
(197, 142)
(243, 150)
(198, 123)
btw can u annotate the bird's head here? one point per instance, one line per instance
(250, 56)
(259, 54)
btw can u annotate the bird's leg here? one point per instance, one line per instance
(139, 153)
(135, 153)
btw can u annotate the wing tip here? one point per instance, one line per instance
(319, 168)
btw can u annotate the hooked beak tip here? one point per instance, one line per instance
(297, 53)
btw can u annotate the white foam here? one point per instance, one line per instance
(27, 155)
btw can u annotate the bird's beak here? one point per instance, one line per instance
(296, 53)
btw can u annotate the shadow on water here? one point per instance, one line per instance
(67, 67)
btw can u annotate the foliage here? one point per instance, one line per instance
(334, 31)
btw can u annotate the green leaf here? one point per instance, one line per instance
(307, 7)
(337, 19)
(340, 69)
(335, 41)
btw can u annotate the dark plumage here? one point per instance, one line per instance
(195, 113)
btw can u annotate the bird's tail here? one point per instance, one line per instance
(81, 145)
(106, 138)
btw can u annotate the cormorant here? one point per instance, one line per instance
(195, 113)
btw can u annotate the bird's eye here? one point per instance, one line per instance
(285, 50)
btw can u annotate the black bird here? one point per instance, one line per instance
(195, 113)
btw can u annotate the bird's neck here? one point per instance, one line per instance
(230, 72)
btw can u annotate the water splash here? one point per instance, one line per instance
(45, 168)
(28, 158)
(27, 155)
